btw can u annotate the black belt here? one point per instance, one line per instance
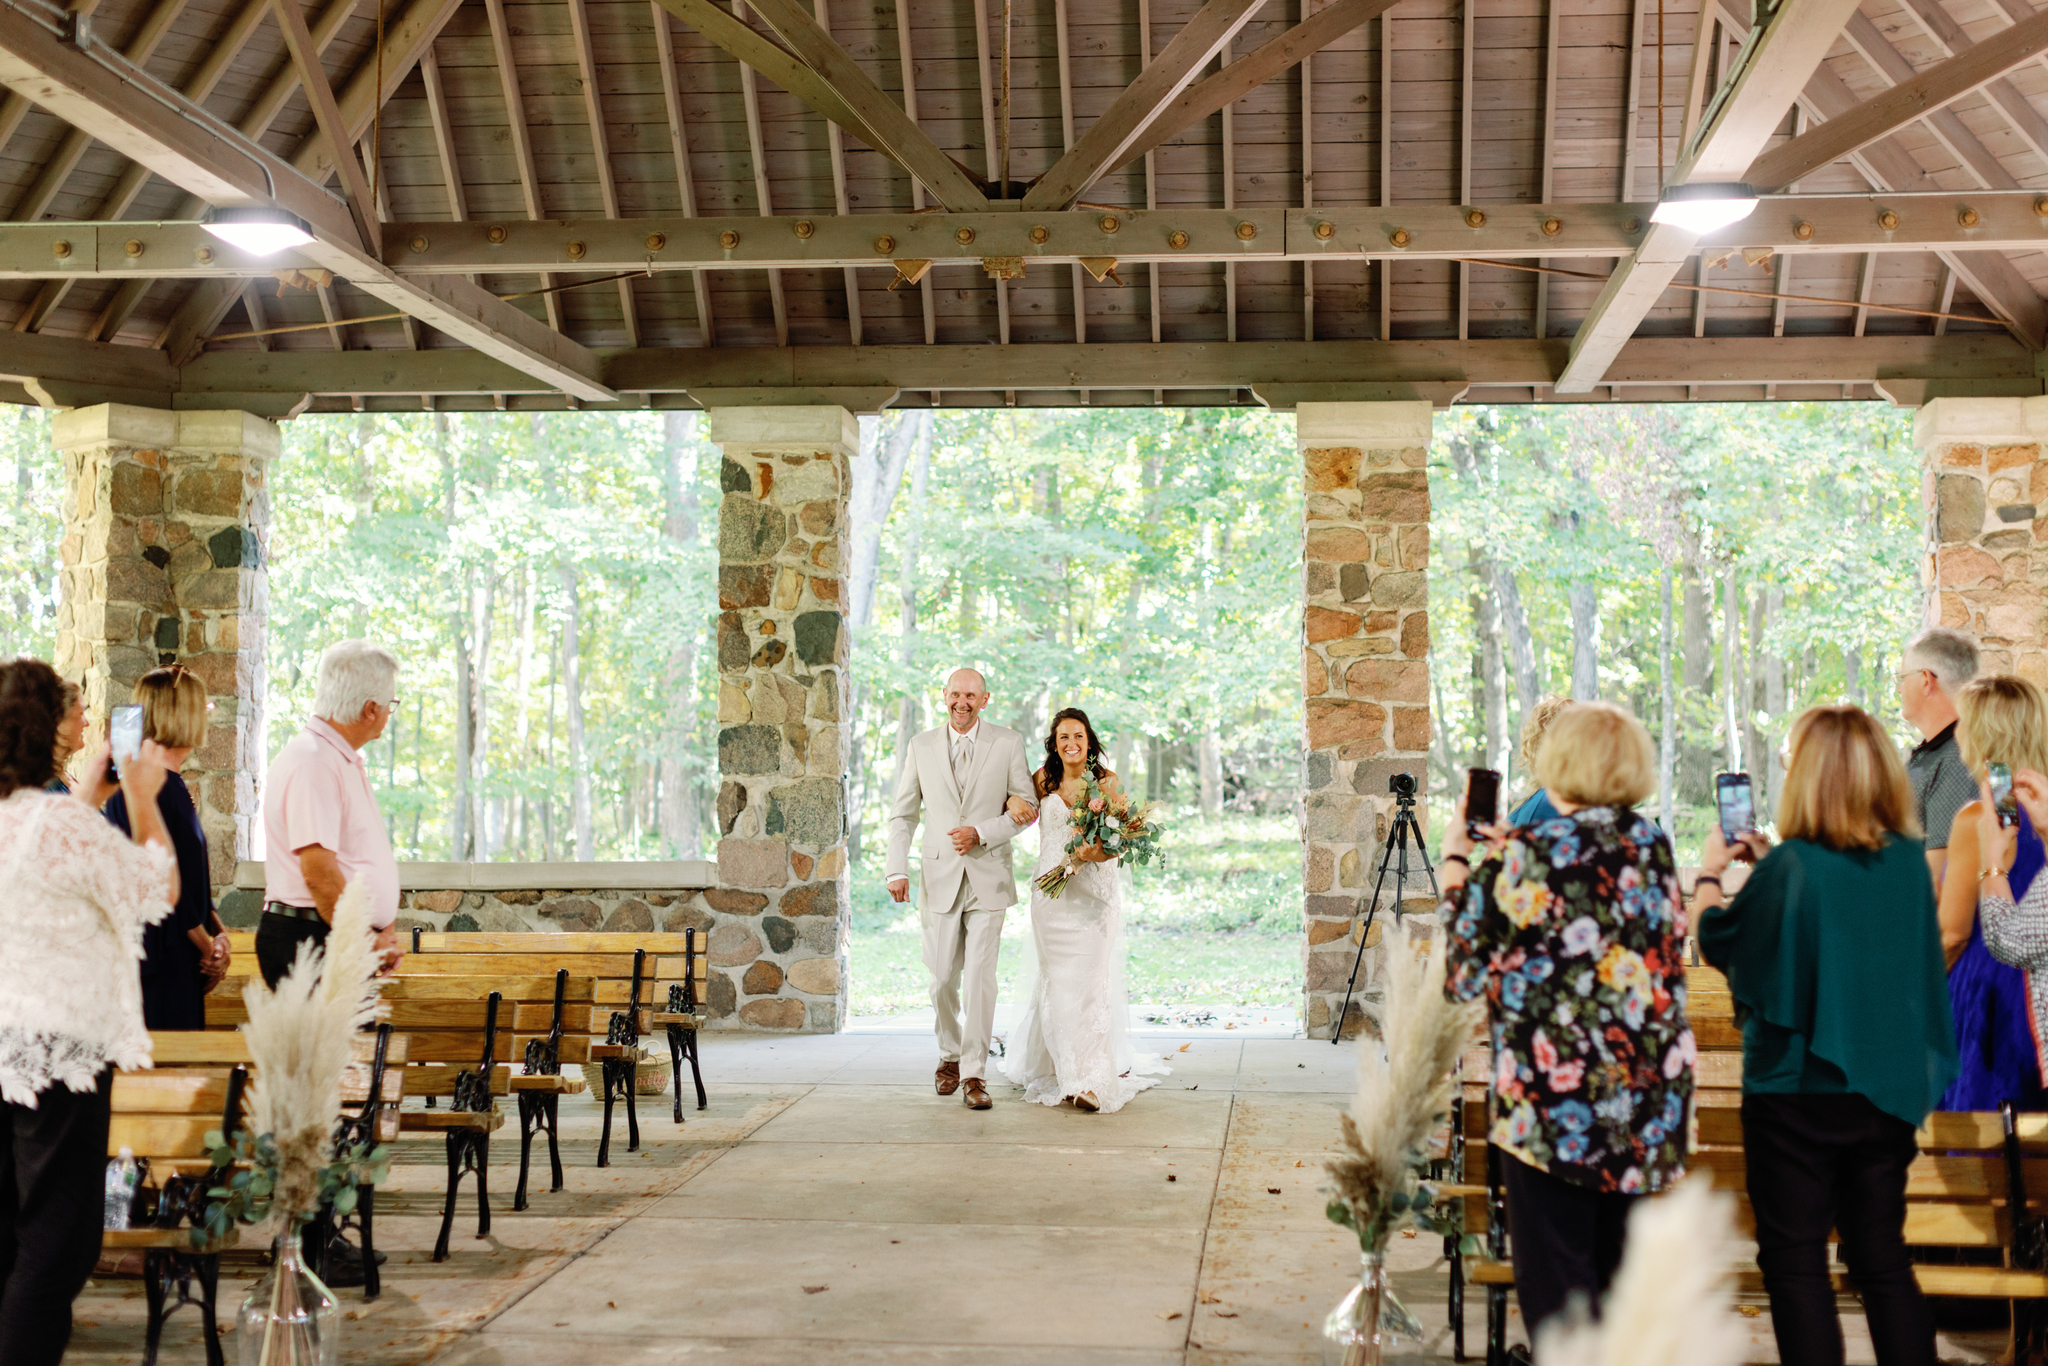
(293, 912)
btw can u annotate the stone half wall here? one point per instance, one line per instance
(769, 969)
(1985, 497)
(1365, 679)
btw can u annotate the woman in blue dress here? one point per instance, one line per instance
(2004, 720)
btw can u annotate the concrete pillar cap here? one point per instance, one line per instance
(809, 428)
(1396, 422)
(1981, 421)
(124, 424)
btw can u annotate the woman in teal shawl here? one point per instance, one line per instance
(1834, 958)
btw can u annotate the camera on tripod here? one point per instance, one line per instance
(1401, 784)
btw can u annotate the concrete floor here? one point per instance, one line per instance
(828, 1204)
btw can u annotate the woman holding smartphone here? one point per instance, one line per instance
(1834, 960)
(2002, 726)
(1570, 929)
(185, 956)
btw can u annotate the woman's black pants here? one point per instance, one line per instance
(1834, 1162)
(53, 1183)
(1567, 1239)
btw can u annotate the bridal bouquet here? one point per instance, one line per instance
(1108, 819)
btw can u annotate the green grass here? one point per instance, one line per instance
(1218, 921)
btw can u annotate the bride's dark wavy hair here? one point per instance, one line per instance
(1055, 767)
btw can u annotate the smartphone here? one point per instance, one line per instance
(2003, 801)
(124, 736)
(1482, 797)
(1736, 800)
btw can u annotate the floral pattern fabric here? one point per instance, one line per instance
(1571, 933)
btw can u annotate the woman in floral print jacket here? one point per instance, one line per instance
(1571, 930)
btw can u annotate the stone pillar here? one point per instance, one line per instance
(1984, 491)
(1365, 676)
(165, 519)
(778, 943)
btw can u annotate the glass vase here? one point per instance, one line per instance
(289, 1317)
(1368, 1319)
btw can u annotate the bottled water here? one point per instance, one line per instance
(122, 1177)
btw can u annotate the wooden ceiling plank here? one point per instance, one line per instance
(679, 149)
(1548, 183)
(1308, 177)
(907, 64)
(1944, 297)
(1229, 147)
(444, 135)
(1865, 278)
(255, 123)
(1066, 70)
(2019, 114)
(522, 136)
(1386, 92)
(305, 55)
(600, 145)
(836, 146)
(1254, 69)
(1631, 117)
(408, 326)
(1917, 97)
(1467, 35)
(57, 169)
(1106, 144)
(757, 156)
(1155, 301)
(327, 311)
(1780, 62)
(1889, 166)
(985, 86)
(405, 36)
(902, 139)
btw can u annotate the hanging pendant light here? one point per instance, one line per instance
(262, 232)
(1705, 206)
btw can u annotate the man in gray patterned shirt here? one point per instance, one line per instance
(1935, 666)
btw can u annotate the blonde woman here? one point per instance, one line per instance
(1833, 955)
(1570, 931)
(1537, 806)
(187, 954)
(2001, 720)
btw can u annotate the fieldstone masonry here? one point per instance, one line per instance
(780, 914)
(165, 518)
(1365, 675)
(1985, 495)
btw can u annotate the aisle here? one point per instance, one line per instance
(829, 1206)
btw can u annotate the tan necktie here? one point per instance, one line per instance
(963, 747)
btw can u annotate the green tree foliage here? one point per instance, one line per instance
(31, 520)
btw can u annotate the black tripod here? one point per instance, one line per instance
(1402, 785)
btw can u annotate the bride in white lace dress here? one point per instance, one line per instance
(1073, 1040)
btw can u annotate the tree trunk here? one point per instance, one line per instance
(1585, 606)
(1521, 642)
(458, 635)
(1773, 698)
(1731, 662)
(1493, 689)
(1852, 675)
(572, 699)
(910, 711)
(878, 476)
(679, 807)
(483, 591)
(1667, 746)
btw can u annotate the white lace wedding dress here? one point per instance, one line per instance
(1074, 1035)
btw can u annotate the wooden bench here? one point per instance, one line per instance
(1958, 1191)
(371, 1089)
(164, 1118)
(629, 973)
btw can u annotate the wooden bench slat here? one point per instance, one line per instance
(440, 1121)
(484, 942)
(663, 1018)
(1969, 1282)
(561, 1084)
(180, 1091)
(179, 1239)
(438, 1079)
(154, 1135)
(665, 966)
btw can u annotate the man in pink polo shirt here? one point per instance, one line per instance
(321, 826)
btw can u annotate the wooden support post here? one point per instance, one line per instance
(679, 148)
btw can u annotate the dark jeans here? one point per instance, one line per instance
(277, 943)
(1567, 1239)
(53, 1182)
(1834, 1162)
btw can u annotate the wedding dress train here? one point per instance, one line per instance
(1074, 1035)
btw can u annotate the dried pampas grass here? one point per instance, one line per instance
(299, 1043)
(1405, 1089)
(1671, 1301)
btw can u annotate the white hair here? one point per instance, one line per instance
(1949, 655)
(353, 673)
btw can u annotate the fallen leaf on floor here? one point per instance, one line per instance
(1407, 1233)
(1231, 1025)
(1171, 1177)
(1297, 1162)
(563, 1324)
(1749, 1311)
(1196, 1087)
(816, 1289)
(1226, 1313)
(611, 1304)
(1208, 1298)
(1185, 1047)
(1170, 1317)
(1272, 1190)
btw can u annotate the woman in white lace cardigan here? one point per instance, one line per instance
(78, 893)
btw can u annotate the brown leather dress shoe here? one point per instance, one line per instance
(975, 1094)
(947, 1078)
